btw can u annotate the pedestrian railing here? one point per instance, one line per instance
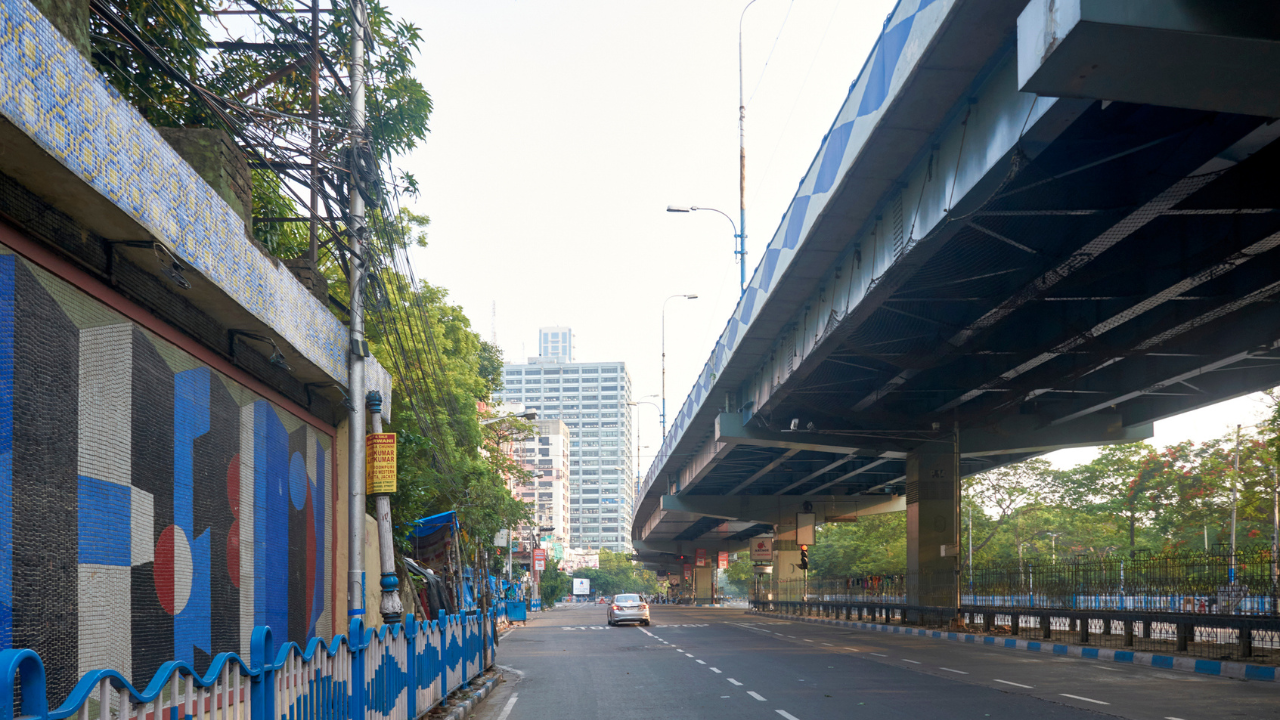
(397, 672)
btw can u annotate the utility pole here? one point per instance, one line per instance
(391, 608)
(1235, 481)
(356, 352)
(313, 247)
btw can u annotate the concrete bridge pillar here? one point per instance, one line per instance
(933, 514)
(704, 585)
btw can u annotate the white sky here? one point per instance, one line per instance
(562, 129)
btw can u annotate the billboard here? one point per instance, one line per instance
(722, 560)
(539, 559)
(379, 463)
(582, 586)
(762, 550)
(700, 557)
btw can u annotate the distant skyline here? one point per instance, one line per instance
(561, 131)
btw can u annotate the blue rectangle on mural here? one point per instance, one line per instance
(104, 522)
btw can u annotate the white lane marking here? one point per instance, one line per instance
(827, 644)
(702, 662)
(1172, 718)
(506, 709)
(807, 640)
(880, 654)
(715, 670)
(1077, 697)
(756, 695)
(688, 654)
(735, 682)
(793, 637)
(853, 649)
(787, 715)
(913, 662)
(1006, 682)
(958, 672)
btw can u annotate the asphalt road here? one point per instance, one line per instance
(722, 663)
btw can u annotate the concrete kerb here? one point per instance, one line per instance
(460, 709)
(1240, 671)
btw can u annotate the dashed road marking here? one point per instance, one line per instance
(827, 644)
(756, 695)
(958, 672)
(913, 662)
(1077, 697)
(879, 654)
(715, 670)
(807, 640)
(787, 715)
(702, 662)
(1006, 682)
(688, 654)
(735, 682)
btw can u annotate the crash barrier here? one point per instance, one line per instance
(397, 672)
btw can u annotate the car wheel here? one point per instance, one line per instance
(646, 623)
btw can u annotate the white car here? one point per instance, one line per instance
(628, 608)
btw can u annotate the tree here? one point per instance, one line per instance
(874, 545)
(554, 584)
(619, 574)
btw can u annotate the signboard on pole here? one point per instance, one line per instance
(804, 528)
(700, 557)
(688, 571)
(582, 586)
(762, 550)
(501, 537)
(380, 463)
(539, 559)
(722, 560)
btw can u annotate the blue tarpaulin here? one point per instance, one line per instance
(423, 527)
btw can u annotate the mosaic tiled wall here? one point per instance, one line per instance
(150, 507)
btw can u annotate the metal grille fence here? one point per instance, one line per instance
(1206, 604)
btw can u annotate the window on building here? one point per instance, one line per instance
(532, 372)
(545, 483)
(551, 371)
(571, 371)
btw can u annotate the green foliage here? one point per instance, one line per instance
(285, 240)
(618, 574)
(875, 545)
(554, 584)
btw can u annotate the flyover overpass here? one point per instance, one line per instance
(1031, 226)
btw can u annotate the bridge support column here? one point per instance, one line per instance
(704, 581)
(933, 512)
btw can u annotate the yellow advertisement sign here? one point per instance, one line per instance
(380, 463)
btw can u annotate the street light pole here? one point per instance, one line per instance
(742, 163)
(1235, 481)
(739, 251)
(664, 357)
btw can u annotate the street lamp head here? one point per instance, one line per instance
(678, 208)
(531, 415)
(690, 297)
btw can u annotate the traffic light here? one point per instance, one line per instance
(804, 557)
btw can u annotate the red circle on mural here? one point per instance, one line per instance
(233, 553)
(172, 570)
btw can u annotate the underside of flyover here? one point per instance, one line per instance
(1119, 272)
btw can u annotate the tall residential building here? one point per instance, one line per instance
(555, 342)
(546, 455)
(590, 399)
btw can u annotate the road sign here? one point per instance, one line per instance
(700, 557)
(500, 538)
(582, 586)
(539, 559)
(688, 571)
(762, 550)
(722, 560)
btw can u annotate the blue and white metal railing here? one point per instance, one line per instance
(397, 672)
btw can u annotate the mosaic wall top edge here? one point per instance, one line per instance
(57, 98)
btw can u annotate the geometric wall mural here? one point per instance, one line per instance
(150, 507)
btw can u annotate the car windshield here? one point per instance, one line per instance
(627, 599)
